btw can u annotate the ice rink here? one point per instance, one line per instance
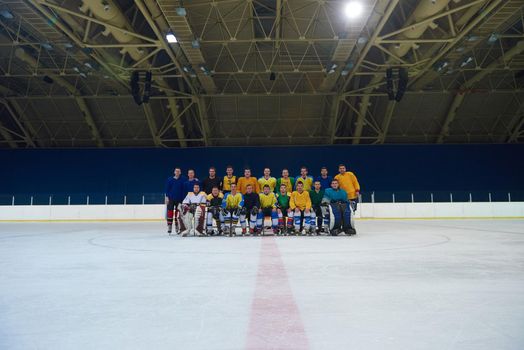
(428, 284)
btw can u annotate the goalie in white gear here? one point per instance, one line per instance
(193, 212)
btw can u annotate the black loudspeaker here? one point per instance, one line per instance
(389, 84)
(147, 88)
(48, 79)
(272, 76)
(135, 88)
(402, 83)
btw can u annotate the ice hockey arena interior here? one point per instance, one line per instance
(262, 174)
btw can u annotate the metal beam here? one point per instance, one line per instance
(335, 110)
(472, 25)
(387, 121)
(26, 135)
(371, 42)
(19, 112)
(84, 108)
(459, 97)
(7, 136)
(151, 123)
(204, 121)
(516, 133)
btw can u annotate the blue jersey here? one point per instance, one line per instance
(188, 185)
(330, 196)
(175, 188)
(325, 183)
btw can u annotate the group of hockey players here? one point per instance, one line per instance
(297, 206)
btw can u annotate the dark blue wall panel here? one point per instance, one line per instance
(379, 168)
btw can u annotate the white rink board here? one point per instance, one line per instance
(366, 210)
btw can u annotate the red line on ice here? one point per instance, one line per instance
(275, 320)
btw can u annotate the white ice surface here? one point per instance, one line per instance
(425, 284)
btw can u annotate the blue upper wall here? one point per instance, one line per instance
(379, 168)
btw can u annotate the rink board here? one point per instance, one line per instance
(155, 212)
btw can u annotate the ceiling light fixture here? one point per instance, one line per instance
(171, 38)
(353, 9)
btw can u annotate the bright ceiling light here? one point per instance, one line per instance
(171, 38)
(353, 9)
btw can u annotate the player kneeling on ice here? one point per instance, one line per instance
(267, 208)
(215, 212)
(337, 211)
(300, 203)
(193, 211)
(232, 205)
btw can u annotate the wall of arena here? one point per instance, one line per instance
(411, 168)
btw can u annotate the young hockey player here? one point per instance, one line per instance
(190, 182)
(267, 208)
(232, 204)
(174, 196)
(214, 205)
(251, 207)
(193, 211)
(349, 183)
(228, 180)
(285, 214)
(285, 180)
(246, 180)
(300, 203)
(267, 179)
(316, 195)
(304, 179)
(211, 181)
(337, 210)
(324, 178)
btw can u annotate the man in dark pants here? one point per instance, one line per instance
(174, 193)
(316, 195)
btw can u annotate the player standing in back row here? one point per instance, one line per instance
(267, 179)
(228, 180)
(245, 181)
(304, 179)
(285, 180)
(211, 181)
(348, 182)
(174, 196)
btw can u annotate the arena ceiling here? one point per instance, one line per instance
(260, 72)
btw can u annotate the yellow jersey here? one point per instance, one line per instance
(300, 200)
(349, 183)
(228, 181)
(268, 200)
(243, 182)
(271, 182)
(307, 182)
(231, 201)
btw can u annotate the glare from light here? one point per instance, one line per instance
(353, 9)
(171, 38)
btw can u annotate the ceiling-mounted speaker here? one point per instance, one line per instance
(135, 88)
(389, 84)
(272, 76)
(48, 79)
(147, 88)
(402, 83)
